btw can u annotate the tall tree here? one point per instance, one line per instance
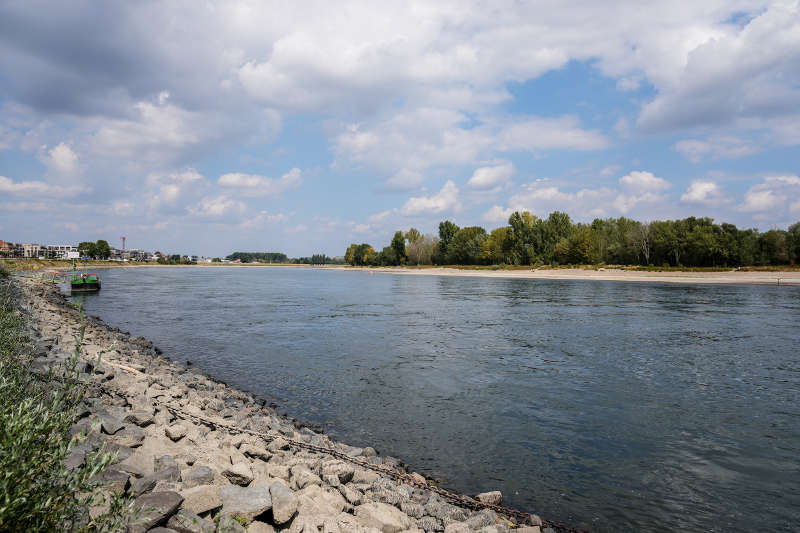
(447, 230)
(399, 247)
(102, 250)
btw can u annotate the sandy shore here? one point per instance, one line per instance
(197, 455)
(728, 277)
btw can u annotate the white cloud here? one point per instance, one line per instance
(498, 213)
(412, 141)
(643, 181)
(771, 195)
(540, 133)
(705, 193)
(404, 180)
(732, 73)
(217, 206)
(256, 185)
(491, 177)
(540, 198)
(446, 200)
(60, 160)
(762, 200)
(264, 218)
(639, 188)
(724, 147)
(35, 188)
(173, 189)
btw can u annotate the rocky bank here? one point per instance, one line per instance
(198, 456)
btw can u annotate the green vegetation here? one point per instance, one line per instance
(175, 259)
(95, 250)
(279, 258)
(258, 257)
(528, 240)
(38, 491)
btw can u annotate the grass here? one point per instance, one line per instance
(38, 491)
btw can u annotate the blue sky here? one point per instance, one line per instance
(302, 127)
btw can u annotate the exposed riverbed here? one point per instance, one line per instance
(644, 406)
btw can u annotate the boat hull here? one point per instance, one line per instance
(85, 287)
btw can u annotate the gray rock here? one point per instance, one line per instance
(197, 475)
(381, 516)
(229, 524)
(108, 423)
(202, 498)
(284, 502)
(162, 530)
(260, 527)
(369, 451)
(140, 418)
(494, 497)
(487, 517)
(130, 437)
(353, 496)
(277, 445)
(239, 474)
(342, 470)
(457, 527)
(429, 523)
(175, 432)
(165, 461)
(148, 483)
(412, 509)
(258, 452)
(303, 477)
(246, 502)
(185, 521)
(115, 480)
(156, 508)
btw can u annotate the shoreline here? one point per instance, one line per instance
(184, 437)
(732, 277)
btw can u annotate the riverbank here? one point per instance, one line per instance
(742, 277)
(192, 450)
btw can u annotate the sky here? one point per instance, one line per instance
(208, 127)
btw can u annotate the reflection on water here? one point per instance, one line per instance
(606, 405)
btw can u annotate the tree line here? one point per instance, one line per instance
(557, 240)
(281, 258)
(96, 250)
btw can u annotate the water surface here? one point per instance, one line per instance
(606, 405)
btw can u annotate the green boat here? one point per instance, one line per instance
(83, 282)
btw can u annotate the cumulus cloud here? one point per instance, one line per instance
(540, 133)
(172, 190)
(446, 200)
(216, 207)
(491, 177)
(256, 185)
(704, 193)
(724, 147)
(771, 195)
(404, 180)
(60, 160)
(733, 73)
(35, 188)
(498, 213)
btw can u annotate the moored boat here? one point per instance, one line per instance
(84, 282)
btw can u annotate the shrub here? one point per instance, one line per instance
(38, 491)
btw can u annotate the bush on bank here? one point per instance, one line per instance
(38, 491)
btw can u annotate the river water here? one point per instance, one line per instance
(609, 406)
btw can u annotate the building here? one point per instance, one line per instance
(61, 251)
(6, 249)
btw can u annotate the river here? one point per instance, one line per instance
(606, 405)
